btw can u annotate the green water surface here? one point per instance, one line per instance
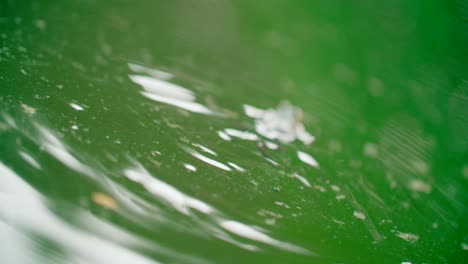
(126, 136)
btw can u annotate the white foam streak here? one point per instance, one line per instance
(302, 179)
(180, 201)
(207, 160)
(240, 134)
(163, 88)
(308, 159)
(251, 233)
(152, 72)
(21, 206)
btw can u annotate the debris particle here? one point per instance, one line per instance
(28, 109)
(306, 158)
(320, 188)
(420, 186)
(224, 136)
(190, 167)
(371, 150)
(282, 204)
(40, 24)
(270, 221)
(359, 215)
(340, 197)
(408, 237)
(76, 107)
(104, 200)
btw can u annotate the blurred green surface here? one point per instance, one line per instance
(382, 87)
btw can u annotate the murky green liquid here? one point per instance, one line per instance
(181, 132)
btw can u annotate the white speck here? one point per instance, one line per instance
(420, 166)
(302, 179)
(340, 197)
(29, 159)
(338, 221)
(28, 109)
(190, 167)
(271, 161)
(371, 150)
(237, 167)
(408, 237)
(207, 160)
(166, 192)
(241, 134)
(23, 72)
(359, 215)
(282, 204)
(335, 188)
(271, 145)
(435, 225)
(74, 127)
(406, 262)
(420, 186)
(205, 149)
(306, 158)
(40, 24)
(464, 246)
(224, 136)
(76, 107)
(320, 188)
(251, 233)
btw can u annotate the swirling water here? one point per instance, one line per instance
(214, 132)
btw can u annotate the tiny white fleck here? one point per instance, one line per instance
(464, 246)
(40, 24)
(408, 237)
(340, 197)
(320, 188)
(76, 107)
(237, 167)
(308, 159)
(359, 215)
(28, 109)
(420, 186)
(74, 127)
(190, 167)
(271, 145)
(282, 204)
(224, 136)
(371, 150)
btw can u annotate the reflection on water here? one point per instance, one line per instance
(23, 208)
(184, 203)
(277, 134)
(163, 91)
